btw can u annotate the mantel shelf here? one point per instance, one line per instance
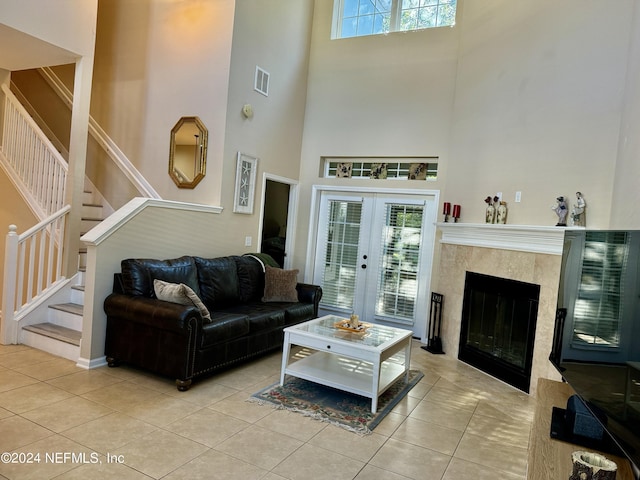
(523, 238)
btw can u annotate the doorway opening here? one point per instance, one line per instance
(278, 216)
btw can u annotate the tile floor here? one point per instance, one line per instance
(121, 423)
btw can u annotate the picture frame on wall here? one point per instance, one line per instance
(245, 183)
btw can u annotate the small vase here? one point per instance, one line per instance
(501, 217)
(490, 214)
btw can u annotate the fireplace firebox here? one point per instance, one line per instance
(498, 327)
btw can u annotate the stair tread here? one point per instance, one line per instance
(74, 308)
(64, 334)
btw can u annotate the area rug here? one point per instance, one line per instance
(344, 409)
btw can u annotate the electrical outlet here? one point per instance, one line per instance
(247, 241)
(518, 197)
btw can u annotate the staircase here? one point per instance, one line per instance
(61, 332)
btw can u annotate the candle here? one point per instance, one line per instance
(456, 211)
(447, 208)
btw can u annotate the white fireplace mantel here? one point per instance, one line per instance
(524, 238)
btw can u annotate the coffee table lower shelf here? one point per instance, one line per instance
(343, 373)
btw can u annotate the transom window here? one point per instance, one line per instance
(355, 18)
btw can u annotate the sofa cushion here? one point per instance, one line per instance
(138, 274)
(298, 312)
(224, 326)
(182, 294)
(250, 277)
(219, 284)
(280, 285)
(262, 316)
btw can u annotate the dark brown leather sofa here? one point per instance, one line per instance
(174, 340)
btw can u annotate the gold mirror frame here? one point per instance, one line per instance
(188, 152)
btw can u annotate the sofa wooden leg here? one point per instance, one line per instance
(112, 362)
(183, 385)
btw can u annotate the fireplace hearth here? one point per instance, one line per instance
(498, 327)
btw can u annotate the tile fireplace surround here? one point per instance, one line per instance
(517, 252)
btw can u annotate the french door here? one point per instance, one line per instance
(373, 257)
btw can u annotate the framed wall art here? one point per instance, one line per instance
(245, 183)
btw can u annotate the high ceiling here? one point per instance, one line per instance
(19, 51)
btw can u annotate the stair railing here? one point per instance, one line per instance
(37, 168)
(32, 269)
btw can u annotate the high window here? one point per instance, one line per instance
(355, 18)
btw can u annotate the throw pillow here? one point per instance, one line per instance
(280, 285)
(182, 294)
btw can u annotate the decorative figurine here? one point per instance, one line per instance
(490, 216)
(578, 215)
(560, 208)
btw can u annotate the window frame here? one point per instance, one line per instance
(395, 19)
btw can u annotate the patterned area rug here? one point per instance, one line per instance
(344, 409)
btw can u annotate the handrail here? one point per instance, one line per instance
(96, 131)
(36, 166)
(32, 268)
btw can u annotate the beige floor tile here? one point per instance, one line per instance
(207, 427)
(6, 349)
(10, 379)
(459, 469)
(162, 410)
(406, 405)
(428, 435)
(343, 442)
(511, 432)
(55, 455)
(214, 465)
(369, 472)
(206, 393)
(389, 424)
(319, 464)
(159, 453)
(454, 397)
(5, 413)
(83, 381)
(481, 450)
(237, 406)
(292, 424)
(411, 461)
(260, 447)
(49, 369)
(18, 431)
(103, 471)
(27, 398)
(106, 434)
(23, 357)
(442, 414)
(55, 416)
(122, 396)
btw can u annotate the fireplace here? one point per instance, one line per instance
(498, 327)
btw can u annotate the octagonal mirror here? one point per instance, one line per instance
(188, 152)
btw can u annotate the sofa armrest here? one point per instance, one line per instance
(153, 313)
(308, 293)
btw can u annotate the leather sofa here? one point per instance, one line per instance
(179, 340)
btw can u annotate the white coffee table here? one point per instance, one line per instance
(362, 363)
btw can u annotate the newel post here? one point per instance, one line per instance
(8, 327)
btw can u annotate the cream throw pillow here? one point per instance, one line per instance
(280, 285)
(180, 293)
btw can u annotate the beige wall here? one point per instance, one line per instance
(539, 95)
(13, 211)
(156, 62)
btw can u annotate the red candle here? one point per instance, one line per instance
(447, 208)
(456, 211)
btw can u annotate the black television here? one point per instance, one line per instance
(596, 345)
